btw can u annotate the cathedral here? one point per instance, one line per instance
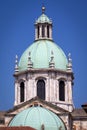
(44, 87)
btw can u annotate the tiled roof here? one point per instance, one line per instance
(2, 113)
(17, 128)
(79, 113)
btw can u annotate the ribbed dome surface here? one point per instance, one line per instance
(36, 117)
(41, 55)
(43, 19)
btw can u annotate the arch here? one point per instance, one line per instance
(61, 90)
(41, 89)
(22, 95)
(62, 78)
(21, 80)
(40, 78)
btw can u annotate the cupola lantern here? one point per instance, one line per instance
(43, 27)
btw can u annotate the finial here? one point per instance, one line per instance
(69, 58)
(30, 64)
(16, 64)
(69, 66)
(51, 63)
(43, 9)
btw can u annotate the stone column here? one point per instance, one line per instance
(25, 91)
(16, 94)
(55, 91)
(40, 32)
(70, 92)
(50, 90)
(45, 31)
(57, 86)
(34, 88)
(29, 89)
(36, 33)
(52, 84)
(47, 89)
(66, 92)
(50, 32)
(70, 100)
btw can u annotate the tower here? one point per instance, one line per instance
(43, 69)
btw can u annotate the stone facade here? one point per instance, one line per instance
(51, 77)
(80, 124)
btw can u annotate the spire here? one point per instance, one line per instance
(16, 64)
(69, 66)
(51, 63)
(30, 64)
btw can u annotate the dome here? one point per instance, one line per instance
(41, 55)
(43, 19)
(37, 117)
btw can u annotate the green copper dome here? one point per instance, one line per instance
(37, 117)
(41, 55)
(43, 18)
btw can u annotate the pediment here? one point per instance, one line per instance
(36, 102)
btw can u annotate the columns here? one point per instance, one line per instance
(66, 91)
(40, 36)
(16, 95)
(36, 33)
(25, 91)
(57, 90)
(50, 32)
(70, 92)
(45, 31)
(47, 86)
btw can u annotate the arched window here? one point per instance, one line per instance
(41, 89)
(22, 92)
(61, 91)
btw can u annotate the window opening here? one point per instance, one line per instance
(38, 31)
(48, 31)
(61, 91)
(22, 92)
(41, 89)
(43, 31)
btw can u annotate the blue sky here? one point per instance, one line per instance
(17, 19)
